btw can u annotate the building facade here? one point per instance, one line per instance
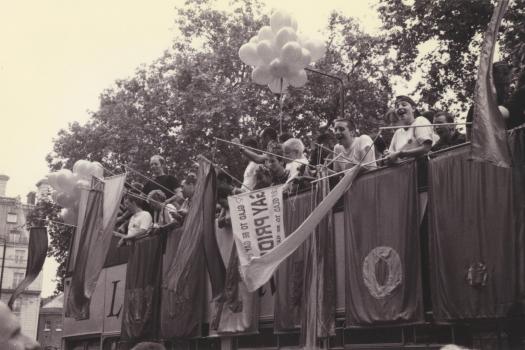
(14, 240)
(50, 323)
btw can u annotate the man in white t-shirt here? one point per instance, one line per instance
(350, 149)
(414, 141)
(140, 221)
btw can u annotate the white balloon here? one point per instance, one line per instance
(254, 39)
(52, 179)
(68, 215)
(280, 19)
(302, 38)
(81, 167)
(285, 35)
(65, 200)
(265, 33)
(261, 75)
(291, 53)
(504, 112)
(266, 51)
(294, 24)
(299, 79)
(306, 58)
(278, 68)
(66, 180)
(96, 170)
(316, 47)
(278, 86)
(248, 54)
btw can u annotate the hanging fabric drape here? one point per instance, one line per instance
(383, 282)
(472, 237)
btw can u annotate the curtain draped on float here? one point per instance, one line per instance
(383, 282)
(472, 237)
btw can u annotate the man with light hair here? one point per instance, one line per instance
(293, 150)
(11, 338)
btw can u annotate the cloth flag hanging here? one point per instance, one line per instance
(140, 314)
(473, 239)
(184, 277)
(101, 240)
(237, 310)
(95, 237)
(319, 292)
(383, 281)
(35, 260)
(257, 271)
(289, 277)
(77, 304)
(489, 138)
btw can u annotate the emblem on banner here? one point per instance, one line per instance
(477, 275)
(395, 271)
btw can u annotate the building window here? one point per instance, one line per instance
(17, 278)
(19, 256)
(12, 218)
(14, 236)
(47, 325)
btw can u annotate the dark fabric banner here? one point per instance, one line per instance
(472, 237)
(214, 262)
(517, 147)
(140, 316)
(77, 305)
(319, 292)
(176, 318)
(289, 277)
(36, 256)
(184, 277)
(489, 139)
(383, 281)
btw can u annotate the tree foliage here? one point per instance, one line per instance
(200, 90)
(46, 213)
(443, 38)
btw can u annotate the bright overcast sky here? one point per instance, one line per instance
(57, 56)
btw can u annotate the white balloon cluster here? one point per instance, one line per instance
(67, 185)
(279, 54)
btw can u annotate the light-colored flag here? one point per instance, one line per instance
(489, 138)
(258, 270)
(257, 221)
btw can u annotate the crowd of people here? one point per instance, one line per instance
(282, 159)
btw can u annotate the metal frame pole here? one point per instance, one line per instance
(342, 87)
(3, 264)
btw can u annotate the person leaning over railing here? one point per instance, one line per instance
(410, 142)
(448, 134)
(140, 221)
(351, 149)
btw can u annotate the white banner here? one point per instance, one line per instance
(257, 221)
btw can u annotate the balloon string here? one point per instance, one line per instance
(281, 100)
